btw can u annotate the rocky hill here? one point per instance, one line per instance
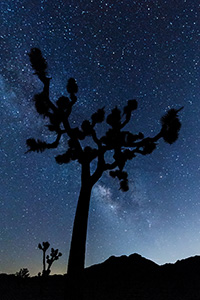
(133, 277)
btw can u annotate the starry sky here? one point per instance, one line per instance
(116, 50)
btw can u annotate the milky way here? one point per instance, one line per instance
(116, 50)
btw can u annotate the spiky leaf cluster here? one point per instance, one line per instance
(36, 145)
(72, 86)
(171, 126)
(38, 63)
(44, 246)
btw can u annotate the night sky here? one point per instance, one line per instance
(116, 50)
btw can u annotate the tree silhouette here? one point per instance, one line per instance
(54, 255)
(23, 273)
(44, 247)
(121, 143)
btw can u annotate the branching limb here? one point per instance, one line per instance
(131, 106)
(100, 167)
(46, 93)
(96, 140)
(110, 166)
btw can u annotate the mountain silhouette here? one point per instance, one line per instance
(136, 277)
(126, 277)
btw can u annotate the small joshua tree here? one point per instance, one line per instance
(23, 273)
(121, 143)
(54, 255)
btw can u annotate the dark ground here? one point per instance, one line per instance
(132, 277)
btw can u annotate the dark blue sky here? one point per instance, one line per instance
(116, 50)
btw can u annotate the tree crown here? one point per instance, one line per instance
(122, 143)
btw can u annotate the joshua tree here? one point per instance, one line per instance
(122, 144)
(54, 255)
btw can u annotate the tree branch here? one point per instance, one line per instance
(56, 142)
(128, 117)
(142, 142)
(110, 166)
(96, 140)
(46, 83)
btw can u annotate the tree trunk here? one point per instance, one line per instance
(78, 242)
(44, 264)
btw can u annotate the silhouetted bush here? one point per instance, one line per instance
(23, 273)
